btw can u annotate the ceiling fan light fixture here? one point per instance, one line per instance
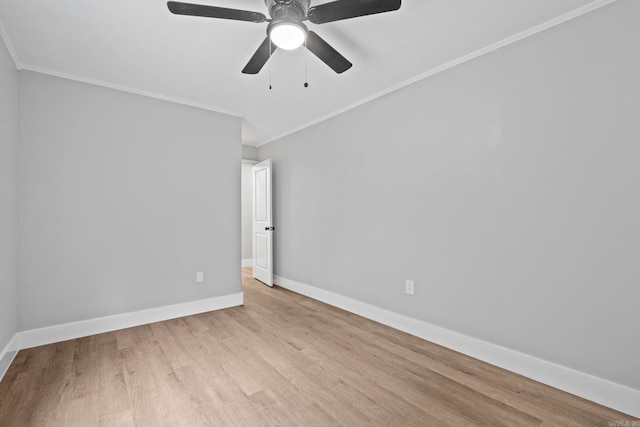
(288, 35)
(285, 26)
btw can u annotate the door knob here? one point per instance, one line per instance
(269, 228)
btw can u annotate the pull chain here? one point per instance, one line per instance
(270, 62)
(306, 83)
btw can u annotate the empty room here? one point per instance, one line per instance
(320, 213)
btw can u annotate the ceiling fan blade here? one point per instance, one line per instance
(346, 9)
(190, 9)
(326, 53)
(260, 57)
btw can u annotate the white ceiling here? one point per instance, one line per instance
(141, 47)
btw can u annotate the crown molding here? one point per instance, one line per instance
(461, 60)
(148, 94)
(9, 45)
(590, 7)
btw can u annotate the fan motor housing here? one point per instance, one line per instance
(292, 9)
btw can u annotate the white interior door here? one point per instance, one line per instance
(262, 226)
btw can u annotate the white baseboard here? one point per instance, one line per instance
(8, 353)
(247, 262)
(12, 345)
(607, 393)
(68, 331)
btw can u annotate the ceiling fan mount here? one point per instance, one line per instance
(287, 8)
(286, 29)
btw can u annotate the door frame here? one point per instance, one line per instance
(248, 164)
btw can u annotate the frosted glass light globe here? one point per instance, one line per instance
(287, 36)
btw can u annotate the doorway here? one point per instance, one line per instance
(256, 220)
(246, 221)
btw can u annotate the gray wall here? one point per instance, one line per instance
(122, 200)
(506, 187)
(249, 152)
(8, 196)
(247, 212)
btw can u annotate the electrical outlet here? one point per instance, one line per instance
(409, 287)
(200, 276)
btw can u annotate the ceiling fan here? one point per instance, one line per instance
(286, 29)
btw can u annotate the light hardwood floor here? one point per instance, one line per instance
(280, 360)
